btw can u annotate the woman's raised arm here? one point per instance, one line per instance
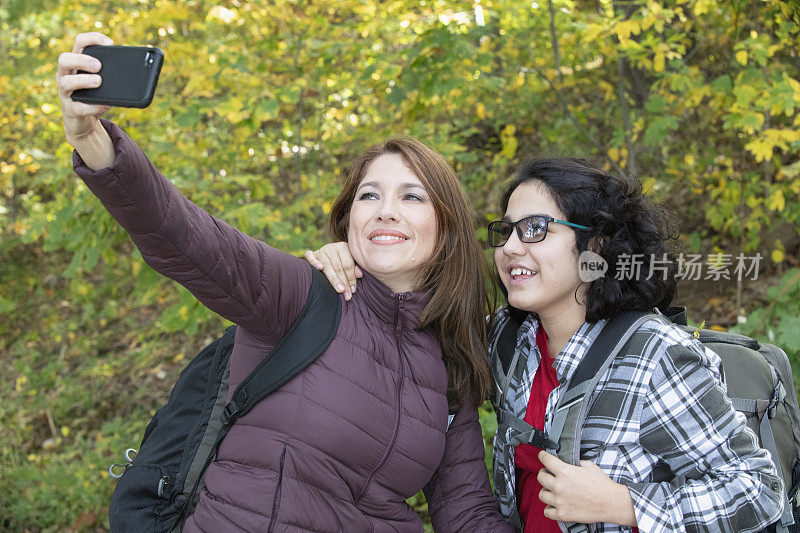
(242, 279)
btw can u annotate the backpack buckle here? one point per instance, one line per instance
(540, 439)
(164, 486)
(777, 396)
(230, 412)
(536, 437)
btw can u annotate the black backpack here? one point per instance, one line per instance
(162, 482)
(759, 382)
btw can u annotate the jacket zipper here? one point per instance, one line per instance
(398, 324)
(398, 330)
(276, 502)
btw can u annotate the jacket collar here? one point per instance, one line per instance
(394, 309)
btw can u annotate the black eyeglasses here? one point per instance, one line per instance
(529, 229)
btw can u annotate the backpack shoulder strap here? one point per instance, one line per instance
(311, 333)
(503, 354)
(309, 336)
(507, 344)
(563, 437)
(572, 407)
(503, 331)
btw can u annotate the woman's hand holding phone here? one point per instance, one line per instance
(82, 121)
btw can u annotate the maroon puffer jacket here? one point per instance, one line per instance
(346, 442)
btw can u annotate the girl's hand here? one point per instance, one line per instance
(583, 494)
(335, 261)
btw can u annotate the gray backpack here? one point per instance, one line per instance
(759, 383)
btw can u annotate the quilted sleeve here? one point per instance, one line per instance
(459, 495)
(242, 279)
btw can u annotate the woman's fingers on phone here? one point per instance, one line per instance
(80, 109)
(68, 81)
(82, 40)
(73, 82)
(79, 118)
(69, 63)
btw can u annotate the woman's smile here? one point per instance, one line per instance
(385, 237)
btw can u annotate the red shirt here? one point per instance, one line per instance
(526, 457)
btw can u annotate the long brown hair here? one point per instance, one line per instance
(455, 273)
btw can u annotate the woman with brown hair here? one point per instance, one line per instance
(458, 321)
(390, 407)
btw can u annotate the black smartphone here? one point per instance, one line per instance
(130, 75)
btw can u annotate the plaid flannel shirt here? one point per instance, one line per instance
(665, 403)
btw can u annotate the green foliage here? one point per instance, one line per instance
(260, 107)
(779, 322)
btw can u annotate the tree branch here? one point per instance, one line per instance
(638, 92)
(565, 107)
(626, 117)
(559, 95)
(554, 38)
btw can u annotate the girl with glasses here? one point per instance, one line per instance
(662, 408)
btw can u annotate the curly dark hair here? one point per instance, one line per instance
(623, 223)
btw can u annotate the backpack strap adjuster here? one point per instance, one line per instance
(230, 412)
(164, 487)
(777, 396)
(535, 437)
